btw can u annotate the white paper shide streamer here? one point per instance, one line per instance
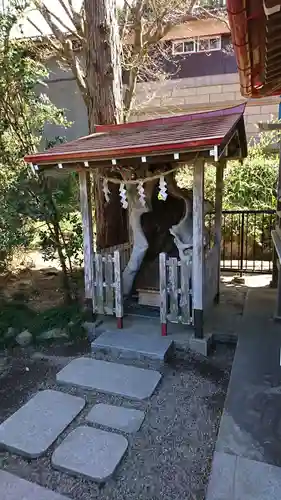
(141, 193)
(106, 189)
(123, 195)
(163, 188)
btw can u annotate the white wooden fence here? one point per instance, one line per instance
(175, 291)
(125, 250)
(175, 280)
(107, 289)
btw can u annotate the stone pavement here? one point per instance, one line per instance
(247, 461)
(116, 417)
(87, 452)
(36, 425)
(91, 453)
(112, 378)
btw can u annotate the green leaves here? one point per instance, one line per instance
(32, 208)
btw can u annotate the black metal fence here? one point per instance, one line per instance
(246, 240)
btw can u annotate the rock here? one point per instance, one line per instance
(10, 333)
(54, 333)
(90, 328)
(24, 338)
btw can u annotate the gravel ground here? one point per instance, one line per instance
(168, 459)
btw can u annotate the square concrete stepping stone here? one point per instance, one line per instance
(116, 417)
(15, 488)
(37, 424)
(133, 345)
(113, 378)
(91, 453)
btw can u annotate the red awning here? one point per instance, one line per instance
(256, 35)
(191, 132)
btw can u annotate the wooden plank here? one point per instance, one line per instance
(174, 290)
(109, 285)
(118, 289)
(185, 273)
(198, 246)
(88, 244)
(163, 292)
(218, 218)
(99, 283)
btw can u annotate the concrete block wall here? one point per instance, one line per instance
(202, 93)
(153, 99)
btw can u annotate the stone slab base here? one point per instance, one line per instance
(134, 345)
(36, 425)
(91, 453)
(202, 346)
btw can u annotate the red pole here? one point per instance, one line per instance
(164, 329)
(119, 323)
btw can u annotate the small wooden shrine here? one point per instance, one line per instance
(171, 261)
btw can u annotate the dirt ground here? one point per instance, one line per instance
(170, 457)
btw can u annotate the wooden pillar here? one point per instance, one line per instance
(88, 244)
(198, 247)
(218, 218)
(275, 273)
(278, 305)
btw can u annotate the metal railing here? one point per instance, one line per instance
(246, 240)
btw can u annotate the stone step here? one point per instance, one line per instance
(134, 345)
(113, 378)
(37, 424)
(116, 417)
(91, 453)
(15, 488)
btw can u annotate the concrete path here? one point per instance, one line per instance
(247, 462)
(15, 488)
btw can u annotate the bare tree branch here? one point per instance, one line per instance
(65, 8)
(144, 24)
(48, 15)
(215, 15)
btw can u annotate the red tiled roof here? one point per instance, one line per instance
(183, 132)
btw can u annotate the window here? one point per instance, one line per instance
(184, 46)
(198, 44)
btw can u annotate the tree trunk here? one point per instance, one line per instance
(105, 106)
(140, 244)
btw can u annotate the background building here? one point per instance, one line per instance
(202, 76)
